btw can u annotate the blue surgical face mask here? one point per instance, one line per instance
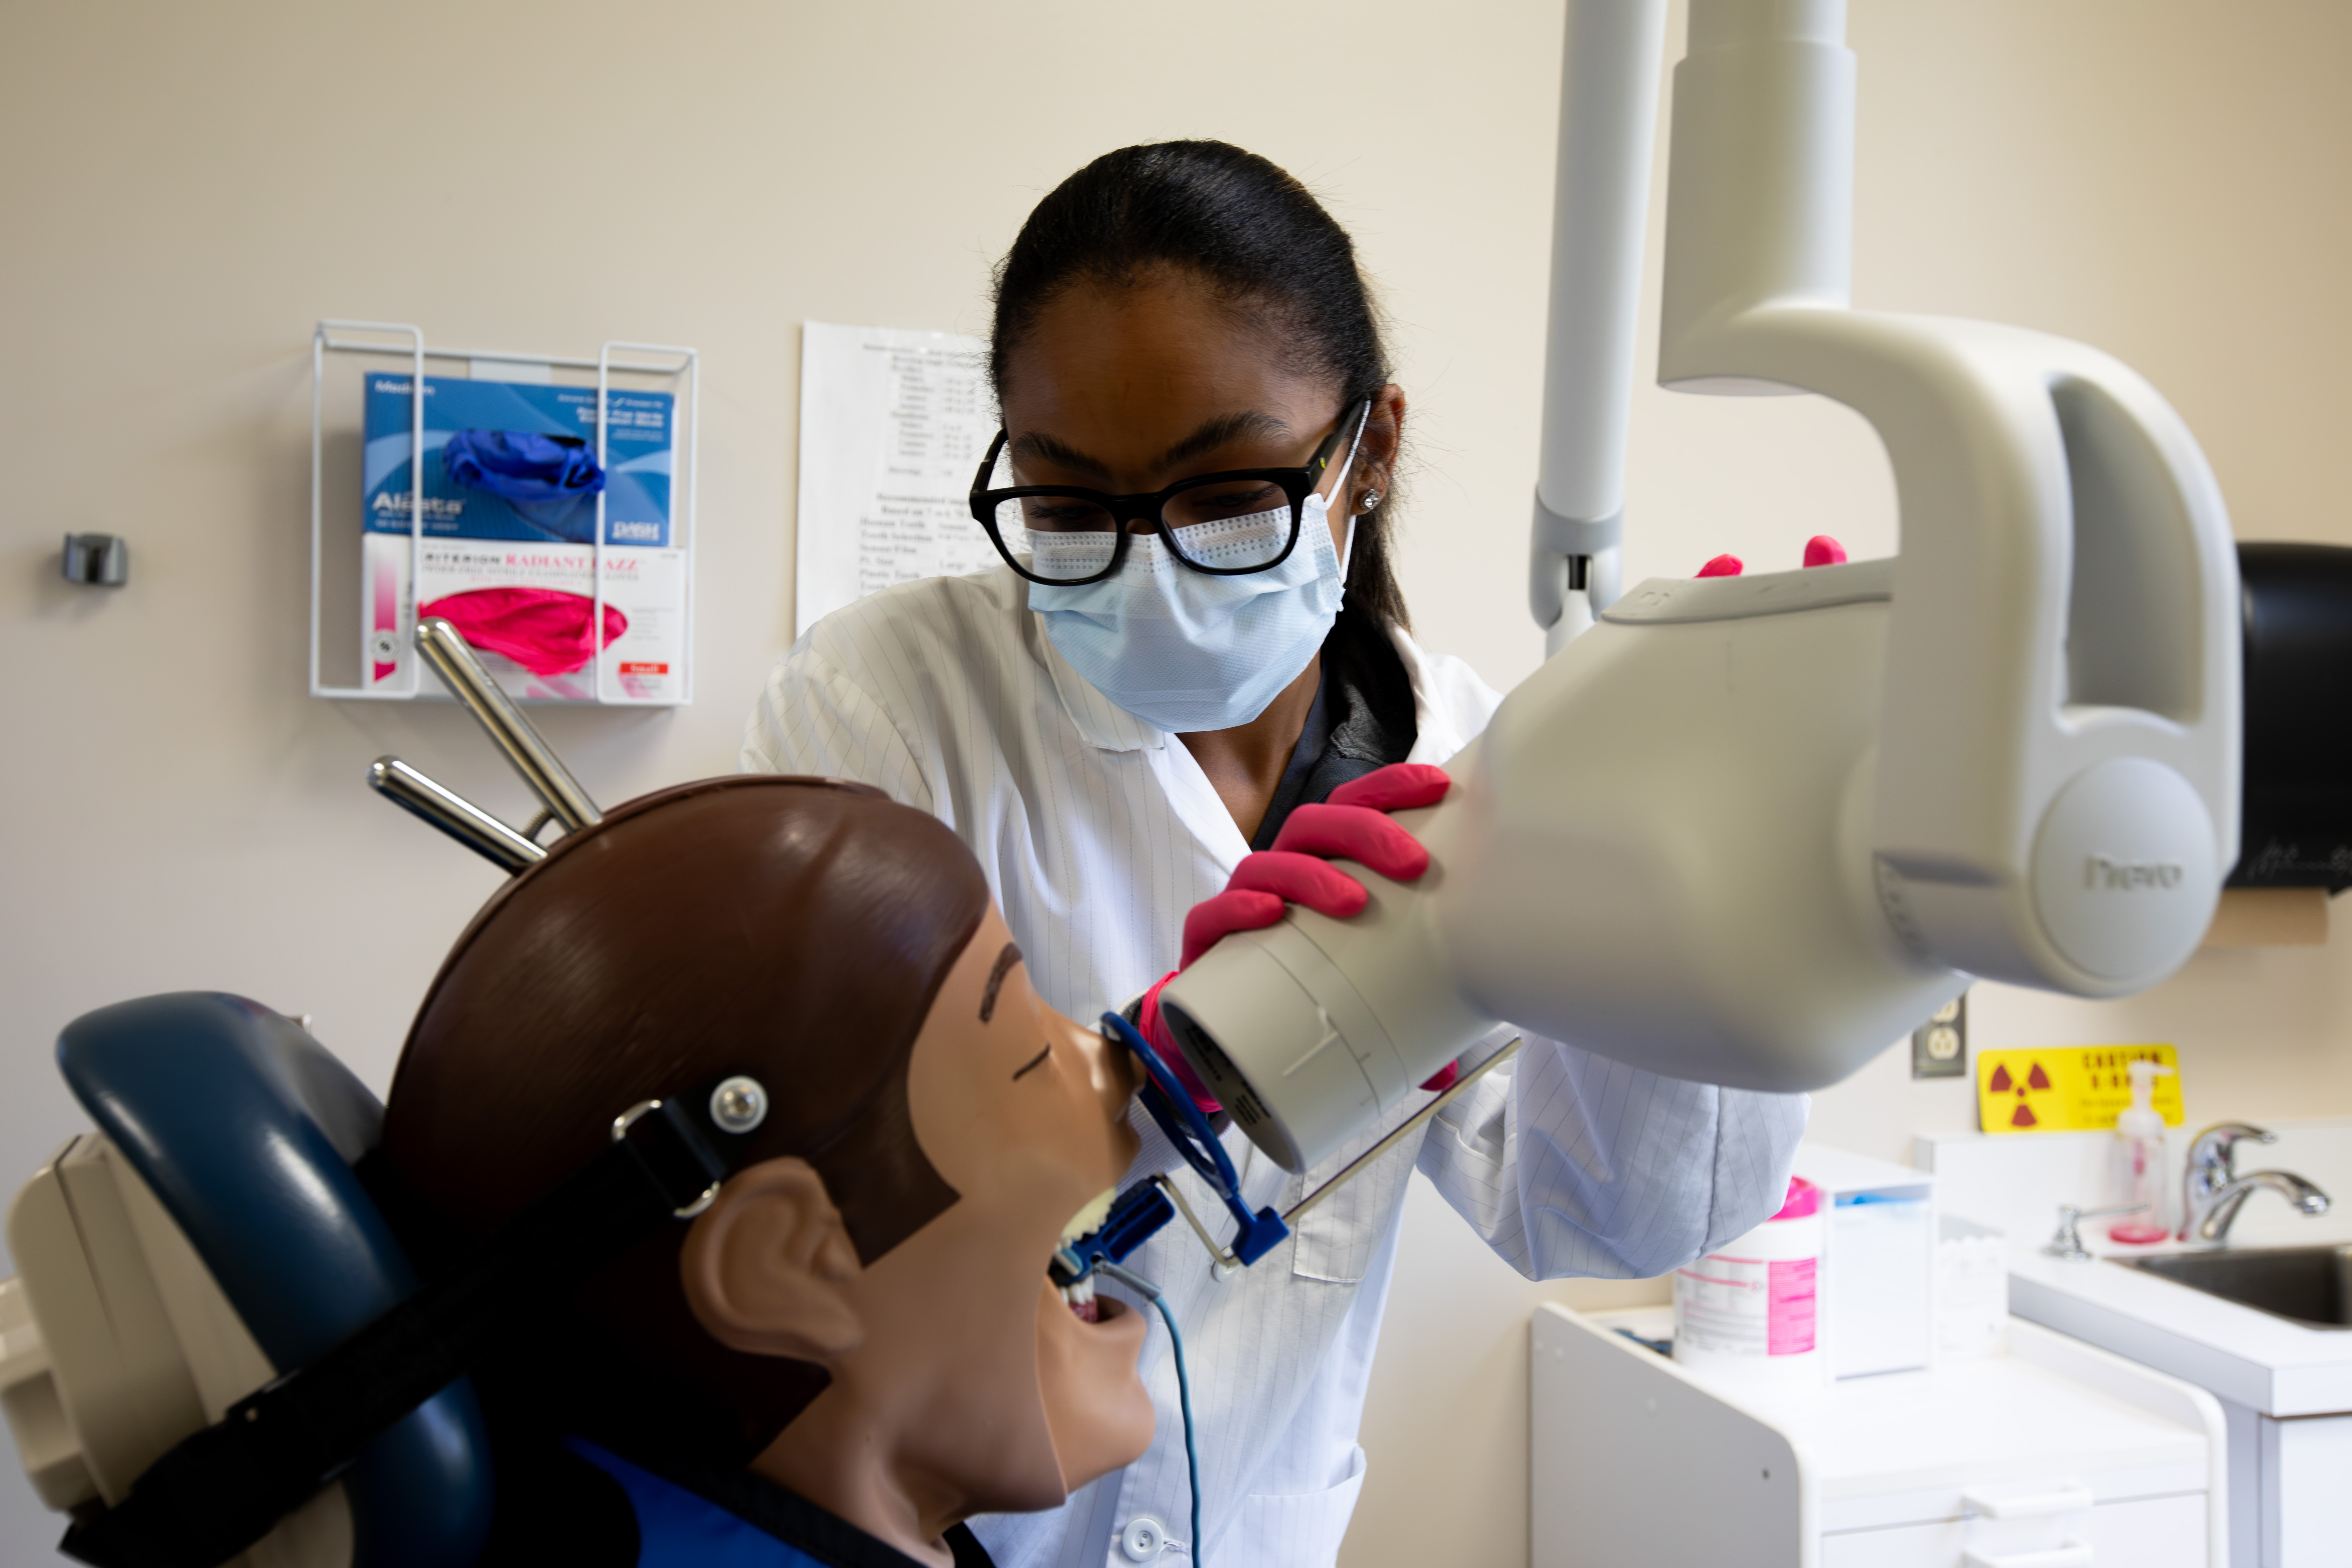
(1182, 650)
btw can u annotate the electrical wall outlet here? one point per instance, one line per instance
(1939, 1048)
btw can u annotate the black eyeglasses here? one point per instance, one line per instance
(1224, 524)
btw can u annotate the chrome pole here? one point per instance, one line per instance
(453, 814)
(1460, 1087)
(470, 684)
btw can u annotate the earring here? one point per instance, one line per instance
(1371, 499)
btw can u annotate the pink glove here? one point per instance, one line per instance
(545, 630)
(1354, 825)
(1821, 550)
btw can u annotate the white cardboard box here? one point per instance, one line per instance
(1878, 1307)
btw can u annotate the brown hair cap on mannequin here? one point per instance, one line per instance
(792, 928)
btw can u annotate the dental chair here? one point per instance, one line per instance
(210, 1234)
(215, 1348)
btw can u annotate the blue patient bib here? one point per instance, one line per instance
(679, 1530)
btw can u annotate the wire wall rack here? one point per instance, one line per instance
(679, 366)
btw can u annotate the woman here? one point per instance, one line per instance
(1159, 675)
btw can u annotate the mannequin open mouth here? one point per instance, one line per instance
(1084, 1304)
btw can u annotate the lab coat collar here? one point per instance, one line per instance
(1437, 734)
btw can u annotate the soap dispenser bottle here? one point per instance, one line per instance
(2140, 1152)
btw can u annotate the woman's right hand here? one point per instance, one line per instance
(1352, 824)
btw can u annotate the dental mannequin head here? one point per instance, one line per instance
(1190, 308)
(863, 1313)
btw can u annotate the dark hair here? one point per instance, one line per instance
(794, 929)
(1256, 236)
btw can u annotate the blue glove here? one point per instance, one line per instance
(544, 478)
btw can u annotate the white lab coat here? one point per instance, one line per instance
(1098, 833)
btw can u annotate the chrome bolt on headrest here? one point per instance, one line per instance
(739, 1104)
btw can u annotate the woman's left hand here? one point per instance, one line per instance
(1352, 824)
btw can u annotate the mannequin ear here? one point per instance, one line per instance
(768, 1268)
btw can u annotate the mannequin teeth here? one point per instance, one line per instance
(1091, 1216)
(1080, 1298)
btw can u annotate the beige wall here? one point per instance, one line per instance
(188, 188)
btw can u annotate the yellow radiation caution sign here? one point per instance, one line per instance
(2069, 1088)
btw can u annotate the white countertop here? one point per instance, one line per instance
(2247, 1356)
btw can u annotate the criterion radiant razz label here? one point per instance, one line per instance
(644, 596)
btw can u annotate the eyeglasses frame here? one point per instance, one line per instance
(1297, 484)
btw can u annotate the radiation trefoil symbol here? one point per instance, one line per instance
(2035, 1080)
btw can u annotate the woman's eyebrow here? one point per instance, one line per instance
(1045, 448)
(1004, 962)
(1223, 429)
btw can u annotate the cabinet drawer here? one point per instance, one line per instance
(2145, 1532)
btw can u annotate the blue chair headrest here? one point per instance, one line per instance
(246, 1129)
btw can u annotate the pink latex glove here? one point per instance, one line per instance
(545, 630)
(1821, 550)
(1352, 823)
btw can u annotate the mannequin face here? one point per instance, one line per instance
(954, 1361)
(1025, 1114)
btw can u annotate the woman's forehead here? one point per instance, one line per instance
(1218, 432)
(1165, 351)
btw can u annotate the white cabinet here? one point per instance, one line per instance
(2053, 1456)
(2284, 1386)
(2306, 1499)
(2153, 1530)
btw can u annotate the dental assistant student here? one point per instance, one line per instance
(1160, 674)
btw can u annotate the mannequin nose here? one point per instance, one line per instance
(1111, 1070)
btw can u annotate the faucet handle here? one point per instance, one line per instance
(2068, 1243)
(2217, 1144)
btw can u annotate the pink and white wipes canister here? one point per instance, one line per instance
(1751, 1309)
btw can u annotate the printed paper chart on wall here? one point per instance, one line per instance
(892, 424)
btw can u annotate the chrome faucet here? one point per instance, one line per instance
(2213, 1192)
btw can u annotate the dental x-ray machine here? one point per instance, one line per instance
(1746, 830)
(1749, 830)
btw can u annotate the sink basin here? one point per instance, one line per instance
(2306, 1285)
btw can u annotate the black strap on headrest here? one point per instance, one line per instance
(224, 1488)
